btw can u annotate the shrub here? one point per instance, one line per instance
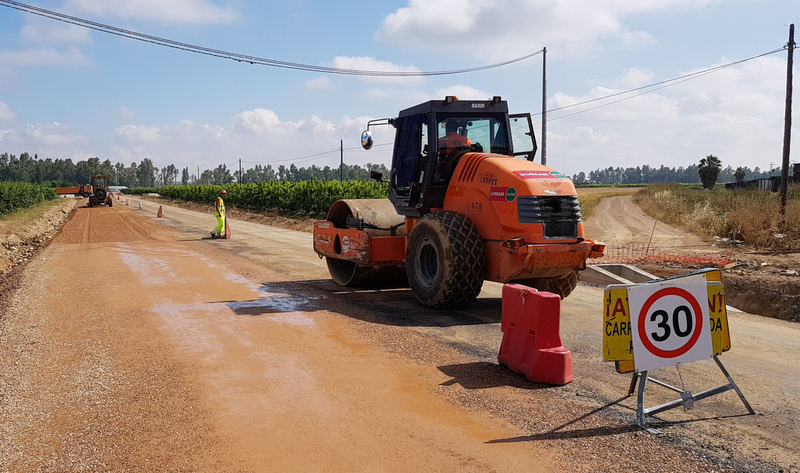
(19, 195)
(312, 197)
(749, 215)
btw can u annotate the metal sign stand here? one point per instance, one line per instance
(687, 398)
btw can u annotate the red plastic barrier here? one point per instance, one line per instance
(531, 344)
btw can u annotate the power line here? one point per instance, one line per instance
(664, 84)
(104, 28)
(296, 160)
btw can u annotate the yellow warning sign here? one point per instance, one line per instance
(720, 336)
(617, 338)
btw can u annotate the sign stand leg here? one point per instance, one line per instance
(733, 386)
(641, 412)
(687, 398)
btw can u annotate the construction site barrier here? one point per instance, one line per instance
(632, 253)
(531, 345)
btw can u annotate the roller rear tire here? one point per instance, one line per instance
(445, 261)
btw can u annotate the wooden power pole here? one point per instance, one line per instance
(544, 106)
(787, 130)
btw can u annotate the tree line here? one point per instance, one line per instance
(65, 172)
(687, 175)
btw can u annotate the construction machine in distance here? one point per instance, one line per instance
(100, 194)
(466, 204)
(83, 190)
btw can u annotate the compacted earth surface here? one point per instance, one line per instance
(130, 342)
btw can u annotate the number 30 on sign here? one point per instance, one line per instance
(670, 322)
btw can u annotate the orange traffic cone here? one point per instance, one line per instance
(227, 229)
(160, 212)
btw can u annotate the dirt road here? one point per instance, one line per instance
(168, 351)
(618, 220)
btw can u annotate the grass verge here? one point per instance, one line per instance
(749, 216)
(11, 223)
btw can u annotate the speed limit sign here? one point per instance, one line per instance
(670, 322)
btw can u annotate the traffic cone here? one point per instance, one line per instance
(160, 212)
(140, 205)
(127, 202)
(227, 229)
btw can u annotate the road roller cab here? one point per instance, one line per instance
(466, 204)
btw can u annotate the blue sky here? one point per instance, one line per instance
(68, 92)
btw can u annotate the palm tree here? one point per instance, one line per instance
(709, 170)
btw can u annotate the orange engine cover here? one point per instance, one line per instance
(527, 214)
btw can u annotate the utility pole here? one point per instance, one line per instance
(341, 160)
(198, 176)
(240, 170)
(544, 106)
(787, 130)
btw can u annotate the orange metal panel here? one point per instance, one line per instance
(387, 249)
(342, 243)
(515, 260)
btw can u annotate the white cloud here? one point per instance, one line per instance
(6, 113)
(735, 113)
(48, 136)
(365, 63)
(137, 135)
(44, 57)
(172, 11)
(51, 32)
(320, 83)
(321, 126)
(503, 29)
(258, 121)
(4, 135)
(253, 135)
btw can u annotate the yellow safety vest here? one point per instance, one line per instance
(219, 202)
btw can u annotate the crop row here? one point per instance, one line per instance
(19, 195)
(312, 197)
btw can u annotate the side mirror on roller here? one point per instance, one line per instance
(367, 140)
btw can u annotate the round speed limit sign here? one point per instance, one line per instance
(670, 323)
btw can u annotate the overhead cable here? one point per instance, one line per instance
(652, 87)
(242, 57)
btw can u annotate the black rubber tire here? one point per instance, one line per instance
(100, 194)
(445, 261)
(562, 286)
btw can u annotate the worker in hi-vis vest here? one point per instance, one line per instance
(219, 212)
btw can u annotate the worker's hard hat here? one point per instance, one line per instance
(223, 191)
